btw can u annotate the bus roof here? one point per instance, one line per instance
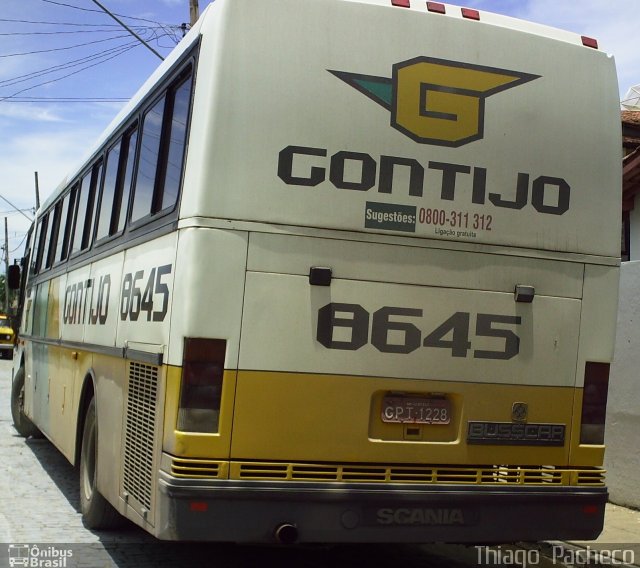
(493, 124)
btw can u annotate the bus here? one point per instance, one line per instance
(341, 271)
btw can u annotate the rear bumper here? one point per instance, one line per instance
(250, 511)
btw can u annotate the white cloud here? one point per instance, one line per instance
(51, 154)
(29, 112)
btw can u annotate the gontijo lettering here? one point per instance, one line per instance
(308, 167)
(87, 301)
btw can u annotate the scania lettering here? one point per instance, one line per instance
(420, 517)
(375, 279)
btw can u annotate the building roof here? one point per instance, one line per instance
(630, 129)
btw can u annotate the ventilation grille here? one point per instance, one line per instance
(590, 477)
(139, 436)
(206, 469)
(445, 474)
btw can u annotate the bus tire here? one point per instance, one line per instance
(21, 422)
(97, 512)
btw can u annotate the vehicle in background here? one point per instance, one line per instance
(7, 337)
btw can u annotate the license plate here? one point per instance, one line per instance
(416, 410)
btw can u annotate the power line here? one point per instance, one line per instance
(68, 100)
(20, 245)
(120, 52)
(57, 23)
(14, 211)
(63, 48)
(62, 66)
(100, 11)
(134, 34)
(16, 208)
(97, 58)
(111, 30)
(71, 6)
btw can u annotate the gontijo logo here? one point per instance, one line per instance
(436, 101)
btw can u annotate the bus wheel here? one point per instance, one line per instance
(97, 512)
(21, 423)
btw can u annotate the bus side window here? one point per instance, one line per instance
(162, 151)
(84, 223)
(49, 253)
(96, 179)
(109, 188)
(122, 199)
(81, 212)
(176, 145)
(148, 161)
(36, 248)
(66, 222)
(42, 235)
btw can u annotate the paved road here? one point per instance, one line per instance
(39, 510)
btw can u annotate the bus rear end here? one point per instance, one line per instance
(399, 245)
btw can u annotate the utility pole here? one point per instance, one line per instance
(194, 11)
(6, 267)
(37, 192)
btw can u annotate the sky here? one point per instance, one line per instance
(66, 68)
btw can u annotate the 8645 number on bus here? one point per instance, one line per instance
(145, 293)
(394, 330)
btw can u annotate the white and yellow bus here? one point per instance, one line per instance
(341, 271)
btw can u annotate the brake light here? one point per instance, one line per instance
(594, 403)
(589, 42)
(471, 14)
(201, 388)
(436, 7)
(401, 3)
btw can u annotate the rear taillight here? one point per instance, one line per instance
(201, 389)
(471, 14)
(590, 42)
(436, 7)
(594, 403)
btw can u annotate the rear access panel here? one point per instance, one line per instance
(374, 371)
